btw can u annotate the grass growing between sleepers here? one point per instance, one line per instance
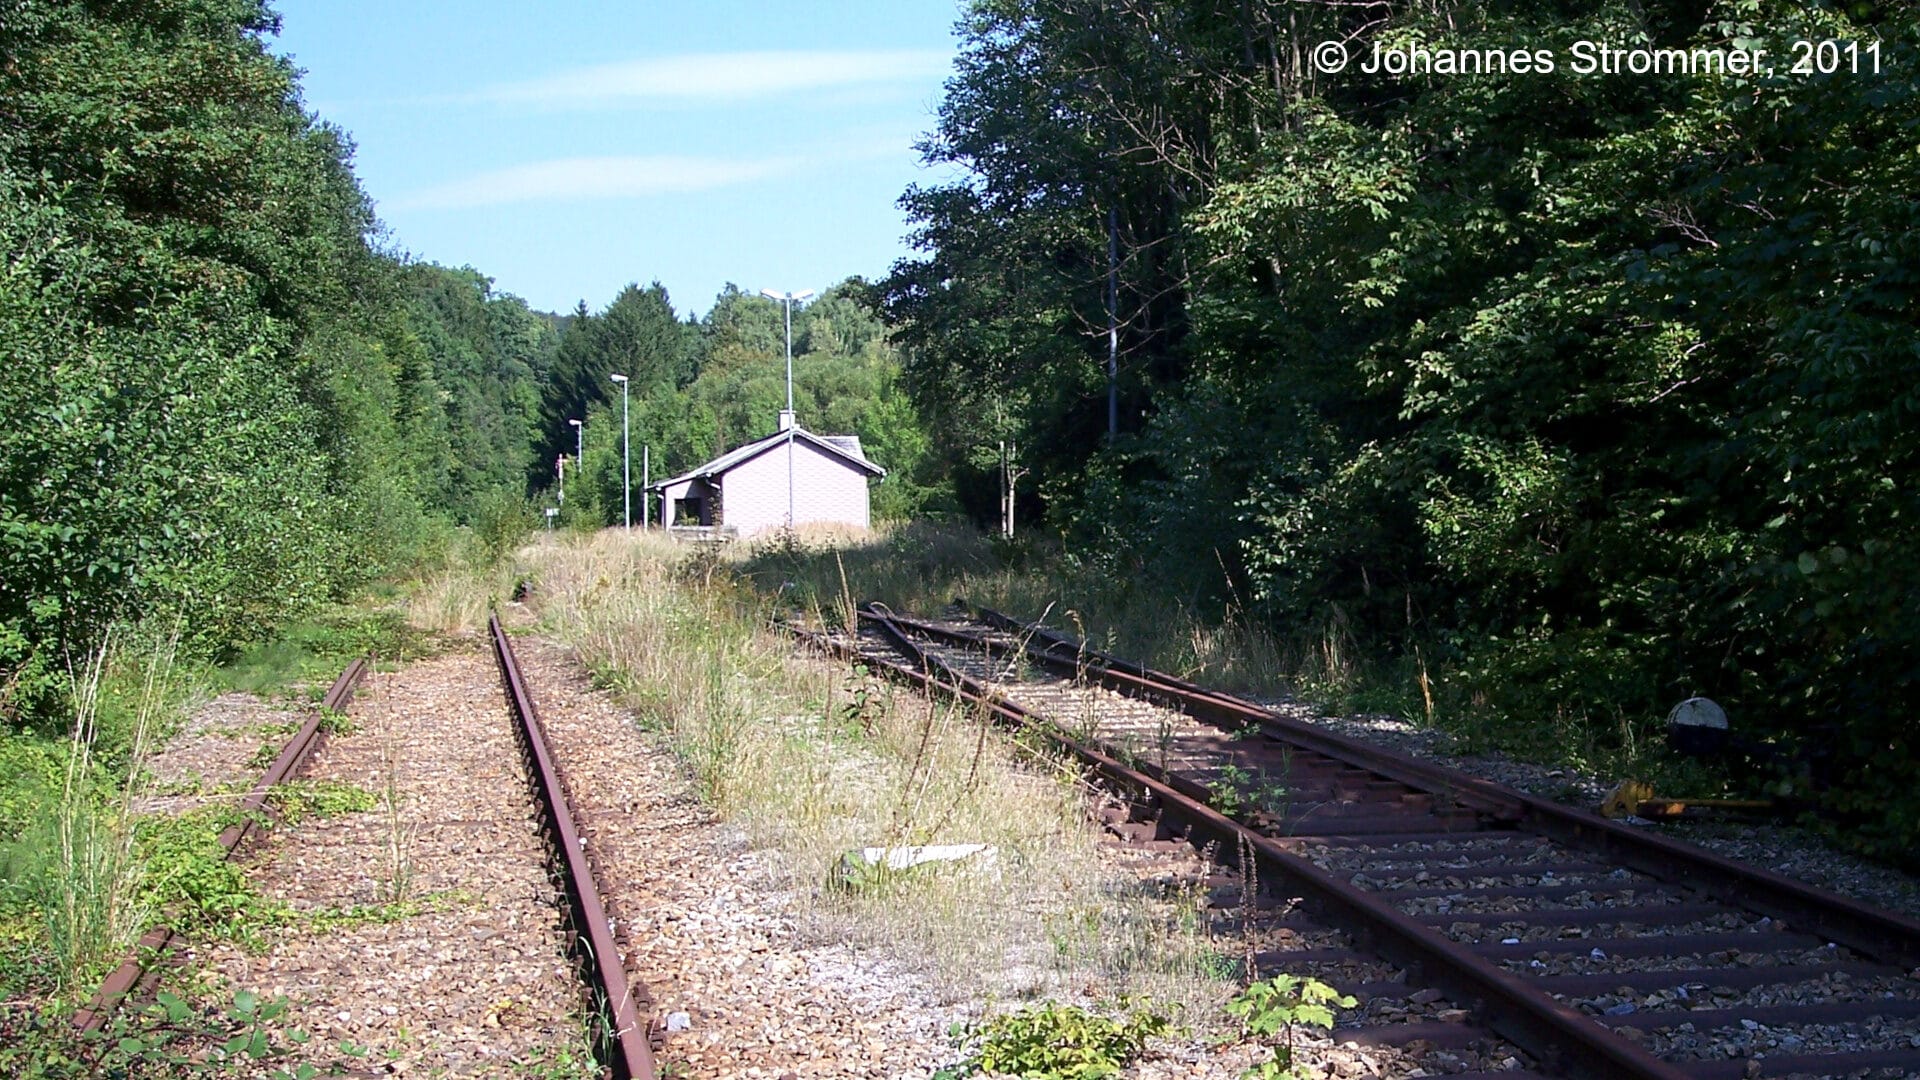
(313, 652)
(83, 874)
(813, 759)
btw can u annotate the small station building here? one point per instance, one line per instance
(753, 488)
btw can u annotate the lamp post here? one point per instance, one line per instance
(579, 456)
(787, 420)
(626, 453)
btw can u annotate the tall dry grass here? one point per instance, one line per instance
(813, 760)
(455, 599)
(81, 867)
(921, 566)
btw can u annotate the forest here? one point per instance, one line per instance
(1575, 394)
(226, 403)
(1571, 395)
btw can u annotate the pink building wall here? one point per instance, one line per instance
(754, 494)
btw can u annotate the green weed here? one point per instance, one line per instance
(190, 879)
(170, 1040)
(1058, 1042)
(297, 800)
(312, 653)
(1273, 1008)
(327, 920)
(1240, 791)
(335, 722)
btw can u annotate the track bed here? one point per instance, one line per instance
(1461, 913)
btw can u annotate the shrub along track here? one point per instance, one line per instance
(1602, 950)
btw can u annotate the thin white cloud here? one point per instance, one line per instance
(738, 76)
(574, 179)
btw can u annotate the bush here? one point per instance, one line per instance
(1060, 1042)
(502, 521)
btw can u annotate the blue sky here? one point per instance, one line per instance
(566, 149)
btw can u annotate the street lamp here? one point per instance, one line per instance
(786, 301)
(579, 457)
(626, 453)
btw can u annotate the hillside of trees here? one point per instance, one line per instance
(203, 400)
(223, 404)
(1582, 393)
(700, 387)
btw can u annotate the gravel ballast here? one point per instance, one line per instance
(467, 975)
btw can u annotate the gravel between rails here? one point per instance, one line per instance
(701, 921)
(478, 980)
(211, 759)
(706, 925)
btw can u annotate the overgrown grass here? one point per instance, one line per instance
(76, 868)
(813, 760)
(921, 567)
(297, 800)
(310, 653)
(81, 876)
(482, 573)
(455, 600)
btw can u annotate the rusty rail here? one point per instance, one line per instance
(139, 973)
(628, 1053)
(1813, 914)
(1865, 929)
(1553, 1031)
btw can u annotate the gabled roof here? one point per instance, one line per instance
(844, 447)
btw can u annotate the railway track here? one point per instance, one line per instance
(1461, 912)
(139, 974)
(621, 1002)
(622, 1029)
